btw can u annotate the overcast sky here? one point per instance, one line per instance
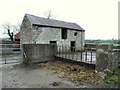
(98, 17)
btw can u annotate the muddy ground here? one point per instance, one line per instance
(31, 77)
(50, 75)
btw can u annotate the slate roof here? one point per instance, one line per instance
(36, 20)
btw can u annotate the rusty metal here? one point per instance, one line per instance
(84, 56)
(81, 55)
(91, 58)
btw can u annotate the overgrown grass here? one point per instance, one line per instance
(114, 77)
(25, 64)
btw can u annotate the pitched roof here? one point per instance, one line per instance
(36, 20)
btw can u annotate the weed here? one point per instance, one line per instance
(113, 78)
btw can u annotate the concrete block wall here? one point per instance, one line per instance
(38, 52)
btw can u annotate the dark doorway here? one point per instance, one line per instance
(72, 46)
(53, 42)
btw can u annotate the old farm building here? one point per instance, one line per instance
(40, 30)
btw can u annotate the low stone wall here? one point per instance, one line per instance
(108, 58)
(38, 52)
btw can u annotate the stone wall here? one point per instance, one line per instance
(38, 52)
(26, 31)
(31, 34)
(108, 58)
(43, 35)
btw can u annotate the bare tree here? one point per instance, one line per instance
(10, 30)
(16, 28)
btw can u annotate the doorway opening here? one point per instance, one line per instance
(54, 43)
(72, 45)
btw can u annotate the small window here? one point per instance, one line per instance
(64, 33)
(75, 34)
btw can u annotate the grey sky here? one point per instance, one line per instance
(98, 17)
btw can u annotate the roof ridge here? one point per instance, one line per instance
(50, 19)
(52, 22)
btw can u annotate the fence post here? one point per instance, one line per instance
(69, 52)
(60, 51)
(5, 54)
(81, 55)
(65, 51)
(85, 55)
(91, 57)
(76, 54)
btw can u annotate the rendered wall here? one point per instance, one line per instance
(38, 52)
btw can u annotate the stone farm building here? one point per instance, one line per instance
(35, 29)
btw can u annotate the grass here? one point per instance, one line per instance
(114, 77)
(105, 43)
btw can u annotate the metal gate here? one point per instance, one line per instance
(86, 56)
(10, 53)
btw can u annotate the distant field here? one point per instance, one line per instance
(104, 44)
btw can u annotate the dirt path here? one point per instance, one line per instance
(34, 77)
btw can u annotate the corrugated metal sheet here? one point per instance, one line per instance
(36, 20)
